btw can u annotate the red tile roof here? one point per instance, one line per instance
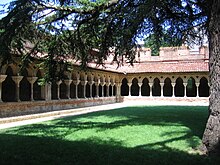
(157, 67)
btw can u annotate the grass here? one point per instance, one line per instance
(145, 135)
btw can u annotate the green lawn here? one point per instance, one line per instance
(134, 135)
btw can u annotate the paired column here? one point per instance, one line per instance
(83, 83)
(17, 80)
(58, 89)
(161, 88)
(2, 78)
(76, 83)
(90, 87)
(129, 88)
(151, 87)
(68, 82)
(32, 81)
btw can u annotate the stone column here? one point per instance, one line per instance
(47, 91)
(76, 83)
(129, 88)
(90, 87)
(68, 82)
(107, 89)
(17, 80)
(84, 88)
(185, 85)
(140, 84)
(173, 89)
(197, 89)
(58, 89)
(102, 84)
(161, 88)
(112, 84)
(118, 89)
(32, 81)
(151, 92)
(2, 78)
(97, 89)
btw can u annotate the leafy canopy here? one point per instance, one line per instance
(60, 30)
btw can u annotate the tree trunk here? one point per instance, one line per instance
(211, 136)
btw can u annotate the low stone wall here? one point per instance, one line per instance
(24, 108)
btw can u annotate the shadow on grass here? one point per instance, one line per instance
(16, 149)
(46, 143)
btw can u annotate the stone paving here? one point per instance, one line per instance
(35, 118)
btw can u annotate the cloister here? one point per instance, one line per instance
(169, 75)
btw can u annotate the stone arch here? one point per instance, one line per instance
(124, 87)
(25, 87)
(167, 88)
(9, 86)
(203, 87)
(156, 89)
(134, 87)
(191, 87)
(179, 87)
(145, 88)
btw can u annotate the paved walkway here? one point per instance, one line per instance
(35, 118)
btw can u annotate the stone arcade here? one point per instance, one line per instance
(177, 73)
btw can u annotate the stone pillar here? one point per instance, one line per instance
(151, 92)
(90, 87)
(76, 83)
(47, 91)
(84, 88)
(185, 85)
(129, 89)
(107, 89)
(112, 84)
(140, 84)
(161, 88)
(58, 89)
(173, 89)
(118, 89)
(197, 89)
(97, 89)
(102, 84)
(17, 80)
(68, 82)
(32, 81)
(2, 78)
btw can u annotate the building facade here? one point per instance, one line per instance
(176, 73)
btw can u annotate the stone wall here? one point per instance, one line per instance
(25, 108)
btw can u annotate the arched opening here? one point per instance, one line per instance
(167, 88)
(110, 90)
(203, 88)
(134, 87)
(179, 88)
(191, 88)
(145, 88)
(93, 90)
(63, 91)
(25, 87)
(72, 90)
(114, 90)
(124, 87)
(54, 88)
(8, 87)
(80, 90)
(105, 90)
(87, 90)
(156, 89)
(100, 90)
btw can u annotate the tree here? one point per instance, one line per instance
(165, 40)
(75, 28)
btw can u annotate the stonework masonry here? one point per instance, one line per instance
(177, 73)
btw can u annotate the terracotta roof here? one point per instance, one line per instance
(158, 67)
